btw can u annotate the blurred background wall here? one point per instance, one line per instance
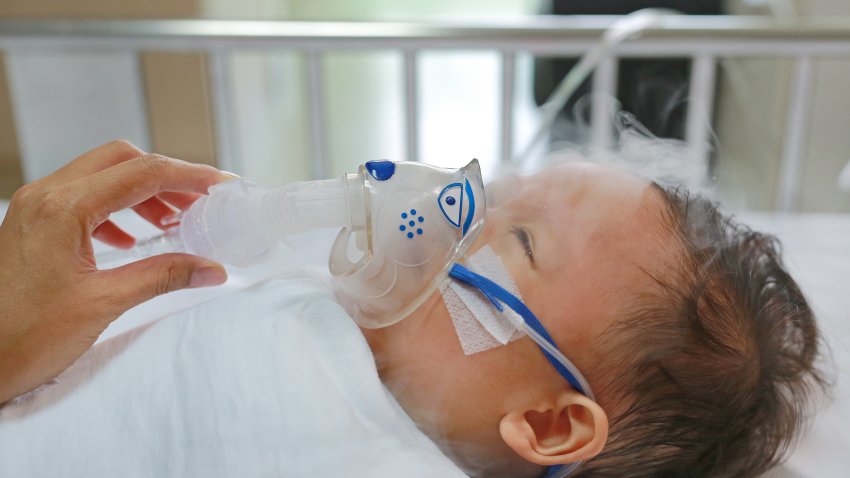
(751, 113)
(55, 106)
(61, 104)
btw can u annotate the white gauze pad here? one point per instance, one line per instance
(478, 324)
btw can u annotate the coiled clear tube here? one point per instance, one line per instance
(624, 29)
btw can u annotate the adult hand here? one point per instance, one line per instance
(54, 301)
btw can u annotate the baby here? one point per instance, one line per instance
(698, 344)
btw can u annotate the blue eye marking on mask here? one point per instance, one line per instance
(471, 211)
(410, 235)
(452, 213)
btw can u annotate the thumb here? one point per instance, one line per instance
(143, 280)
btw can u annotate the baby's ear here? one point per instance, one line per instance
(565, 428)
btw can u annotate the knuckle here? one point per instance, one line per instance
(122, 150)
(154, 164)
(25, 194)
(69, 197)
(170, 277)
(54, 201)
(126, 147)
(157, 159)
(42, 201)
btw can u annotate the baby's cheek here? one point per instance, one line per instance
(429, 369)
(426, 341)
(444, 344)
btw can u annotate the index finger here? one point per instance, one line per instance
(97, 159)
(131, 182)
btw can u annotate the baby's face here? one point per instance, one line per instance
(594, 233)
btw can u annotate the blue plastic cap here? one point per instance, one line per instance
(381, 170)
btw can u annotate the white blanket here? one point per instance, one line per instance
(275, 380)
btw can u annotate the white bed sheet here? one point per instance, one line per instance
(817, 251)
(273, 380)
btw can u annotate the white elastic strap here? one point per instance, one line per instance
(563, 360)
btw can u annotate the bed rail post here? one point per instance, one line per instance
(318, 126)
(796, 129)
(411, 109)
(603, 92)
(221, 93)
(507, 120)
(700, 110)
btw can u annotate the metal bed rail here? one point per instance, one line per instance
(704, 40)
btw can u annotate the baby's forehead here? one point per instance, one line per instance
(601, 210)
(586, 186)
(598, 199)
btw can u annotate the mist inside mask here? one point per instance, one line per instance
(479, 326)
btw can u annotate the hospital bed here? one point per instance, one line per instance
(817, 245)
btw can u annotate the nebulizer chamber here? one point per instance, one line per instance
(242, 224)
(403, 224)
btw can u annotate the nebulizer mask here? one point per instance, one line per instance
(419, 219)
(403, 225)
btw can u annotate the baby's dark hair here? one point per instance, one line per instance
(717, 370)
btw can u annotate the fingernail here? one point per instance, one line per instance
(228, 174)
(208, 276)
(171, 220)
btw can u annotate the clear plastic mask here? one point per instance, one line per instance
(420, 220)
